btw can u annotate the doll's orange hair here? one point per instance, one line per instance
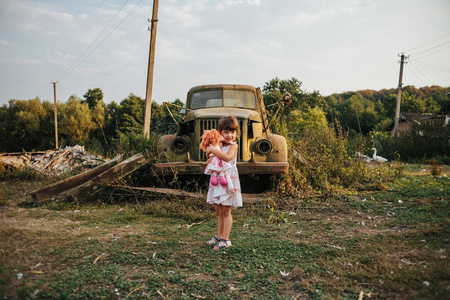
(209, 137)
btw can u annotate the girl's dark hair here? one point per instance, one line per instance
(229, 123)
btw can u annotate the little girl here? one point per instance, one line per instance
(224, 197)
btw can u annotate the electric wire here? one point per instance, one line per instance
(426, 50)
(102, 40)
(44, 91)
(59, 77)
(427, 43)
(420, 73)
(430, 66)
(417, 76)
(432, 53)
(100, 64)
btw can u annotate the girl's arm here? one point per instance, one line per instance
(222, 155)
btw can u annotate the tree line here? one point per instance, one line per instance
(28, 125)
(358, 112)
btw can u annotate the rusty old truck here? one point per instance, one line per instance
(260, 152)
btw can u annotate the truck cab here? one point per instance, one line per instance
(259, 150)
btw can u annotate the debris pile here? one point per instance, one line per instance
(52, 162)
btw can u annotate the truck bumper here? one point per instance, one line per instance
(198, 168)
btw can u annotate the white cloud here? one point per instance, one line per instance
(170, 50)
(8, 44)
(181, 15)
(27, 61)
(60, 58)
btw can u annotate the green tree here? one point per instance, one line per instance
(93, 97)
(298, 121)
(302, 101)
(131, 114)
(76, 121)
(24, 125)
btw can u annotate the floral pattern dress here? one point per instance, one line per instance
(229, 195)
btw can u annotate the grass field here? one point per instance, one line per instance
(388, 244)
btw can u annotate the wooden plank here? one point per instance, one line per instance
(247, 198)
(55, 189)
(112, 174)
(164, 191)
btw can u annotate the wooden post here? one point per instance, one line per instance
(399, 97)
(151, 62)
(56, 115)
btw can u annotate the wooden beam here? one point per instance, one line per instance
(55, 189)
(247, 198)
(174, 192)
(111, 175)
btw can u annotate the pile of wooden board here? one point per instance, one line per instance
(52, 161)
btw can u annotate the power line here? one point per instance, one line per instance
(427, 43)
(432, 53)
(416, 75)
(101, 63)
(44, 91)
(421, 74)
(102, 40)
(426, 50)
(430, 66)
(84, 52)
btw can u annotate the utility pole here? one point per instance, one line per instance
(151, 62)
(56, 114)
(399, 95)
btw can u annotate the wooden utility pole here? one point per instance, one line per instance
(399, 96)
(56, 114)
(151, 62)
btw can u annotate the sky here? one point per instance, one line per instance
(331, 46)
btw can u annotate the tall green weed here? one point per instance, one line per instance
(129, 142)
(322, 160)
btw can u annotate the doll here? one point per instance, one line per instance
(215, 165)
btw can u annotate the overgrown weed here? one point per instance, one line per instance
(323, 163)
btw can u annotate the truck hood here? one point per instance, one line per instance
(218, 112)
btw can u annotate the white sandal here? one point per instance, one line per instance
(222, 244)
(212, 241)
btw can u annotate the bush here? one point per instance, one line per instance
(323, 160)
(133, 143)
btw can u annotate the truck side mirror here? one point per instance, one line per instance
(287, 99)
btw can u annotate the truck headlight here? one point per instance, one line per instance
(180, 145)
(263, 147)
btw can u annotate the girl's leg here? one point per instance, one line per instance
(227, 222)
(218, 208)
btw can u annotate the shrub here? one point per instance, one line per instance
(133, 143)
(322, 160)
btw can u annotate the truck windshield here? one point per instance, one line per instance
(219, 98)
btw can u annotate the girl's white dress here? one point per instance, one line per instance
(229, 195)
(215, 164)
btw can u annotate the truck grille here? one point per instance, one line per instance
(208, 124)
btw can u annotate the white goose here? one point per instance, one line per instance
(378, 158)
(363, 157)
